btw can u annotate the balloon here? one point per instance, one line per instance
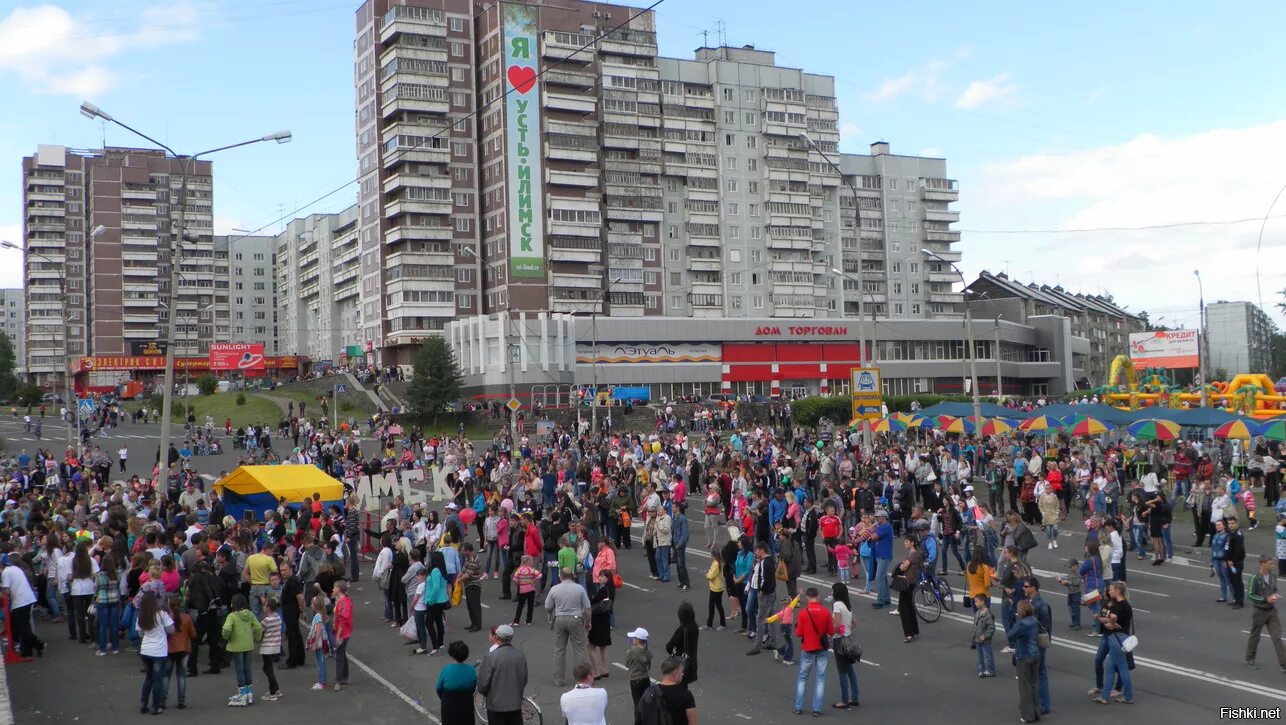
(467, 516)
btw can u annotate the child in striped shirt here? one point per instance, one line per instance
(270, 645)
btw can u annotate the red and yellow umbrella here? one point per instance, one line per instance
(903, 416)
(1040, 424)
(1087, 426)
(1154, 430)
(961, 425)
(1236, 429)
(888, 425)
(996, 427)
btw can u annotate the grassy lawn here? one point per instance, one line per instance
(221, 406)
(356, 405)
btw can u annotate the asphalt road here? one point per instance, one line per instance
(1189, 662)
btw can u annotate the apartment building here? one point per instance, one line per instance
(1095, 318)
(1238, 339)
(14, 325)
(97, 231)
(318, 275)
(598, 178)
(248, 266)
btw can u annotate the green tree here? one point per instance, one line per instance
(436, 381)
(28, 395)
(8, 381)
(207, 384)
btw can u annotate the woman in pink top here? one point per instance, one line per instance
(343, 631)
(606, 558)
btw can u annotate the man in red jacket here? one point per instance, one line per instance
(830, 527)
(813, 623)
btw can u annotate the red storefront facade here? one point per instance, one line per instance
(821, 365)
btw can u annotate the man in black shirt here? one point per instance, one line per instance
(1234, 561)
(292, 607)
(675, 695)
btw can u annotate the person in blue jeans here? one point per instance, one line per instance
(883, 552)
(1117, 619)
(815, 623)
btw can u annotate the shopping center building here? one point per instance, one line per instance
(546, 358)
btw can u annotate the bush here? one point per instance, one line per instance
(345, 406)
(207, 384)
(28, 395)
(241, 398)
(808, 411)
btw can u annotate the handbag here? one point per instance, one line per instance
(782, 574)
(1129, 644)
(617, 581)
(408, 631)
(1093, 596)
(847, 647)
(1042, 636)
(900, 583)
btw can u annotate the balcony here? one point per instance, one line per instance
(950, 298)
(944, 277)
(577, 307)
(575, 281)
(938, 215)
(436, 181)
(417, 206)
(413, 20)
(561, 45)
(407, 233)
(705, 264)
(568, 102)
(580, 155)
(581, 179)
(941, 236)
(939, 190)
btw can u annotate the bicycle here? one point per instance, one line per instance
(932, 595)
(531, 714)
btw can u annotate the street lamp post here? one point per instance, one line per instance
(865, 425)
(973, 353)
(89, 110)
(857, 220)
(1201, 341)
(593, 367)
(62, 293)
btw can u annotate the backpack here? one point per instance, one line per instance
(651, 709)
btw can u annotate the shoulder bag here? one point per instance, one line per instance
(823, 639)
(847, 646)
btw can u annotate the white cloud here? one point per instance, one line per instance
(1212, 176)
(849, 132)
(982, 93)
(52, 51)
(924, 82)
(10, 259)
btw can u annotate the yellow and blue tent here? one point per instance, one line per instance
(258, 488)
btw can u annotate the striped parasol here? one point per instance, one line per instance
(1154, 430)
(1041, 424)
(1236, 429)
(903, 416)
(888, 425)
(961, 425)
(1085, 425)
(1274, 430)
(996, 426)
(918, 422)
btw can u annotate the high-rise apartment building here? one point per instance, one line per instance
(526, 157)
(251, 278)
(1238, 338)
(13, 322)
(317, 284)
(97, 230)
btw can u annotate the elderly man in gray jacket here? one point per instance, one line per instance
(502, 678)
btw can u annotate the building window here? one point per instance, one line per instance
(649, 254)
(752, 164)
(757, 301)
(736, 302)
(728, 94)
(915, 309)
(729, 139)
(734, 255)
(730, 163)
(733, 208)
(731, 185)
(462, 224)
(674, 255)
(676, 302)
(676, 279)
(734, 232)
(734, 279)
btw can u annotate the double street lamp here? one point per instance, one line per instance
(973, 351)
(89, 110)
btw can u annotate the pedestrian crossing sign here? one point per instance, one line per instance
(85, 406)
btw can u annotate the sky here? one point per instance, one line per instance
(1110, 148)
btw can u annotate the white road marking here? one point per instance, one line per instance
(485, 605)
(868, 662)
(1179, 670)
(744, 717)
(6, 708)
(1133, 590)
(394, 689)
(636, 586)
(1262, 633)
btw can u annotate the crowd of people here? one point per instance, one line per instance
(546, 517)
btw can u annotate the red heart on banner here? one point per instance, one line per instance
(522, 78)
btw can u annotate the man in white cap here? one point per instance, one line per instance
(22, 599)
(502, 678)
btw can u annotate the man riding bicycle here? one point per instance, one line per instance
(928, 546)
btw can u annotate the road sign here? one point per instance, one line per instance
(867, 392)
(513, 405)
(341, 388)
(85, 406)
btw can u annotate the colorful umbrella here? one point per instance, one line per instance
(996, 427)
(1235, 429)
(1041, 424)
(888, 425)
(921, 423)
(904, 417)
(961, 425)
(943, 421)
(1154, 430)
(1087, 426)
(1273, 429)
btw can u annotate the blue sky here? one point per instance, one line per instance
(1053, 117)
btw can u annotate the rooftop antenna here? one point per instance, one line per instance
(721, 27)
(705, 38)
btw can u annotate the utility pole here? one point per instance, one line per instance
(1202, 355)
(972, 352)
(1000, 386)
